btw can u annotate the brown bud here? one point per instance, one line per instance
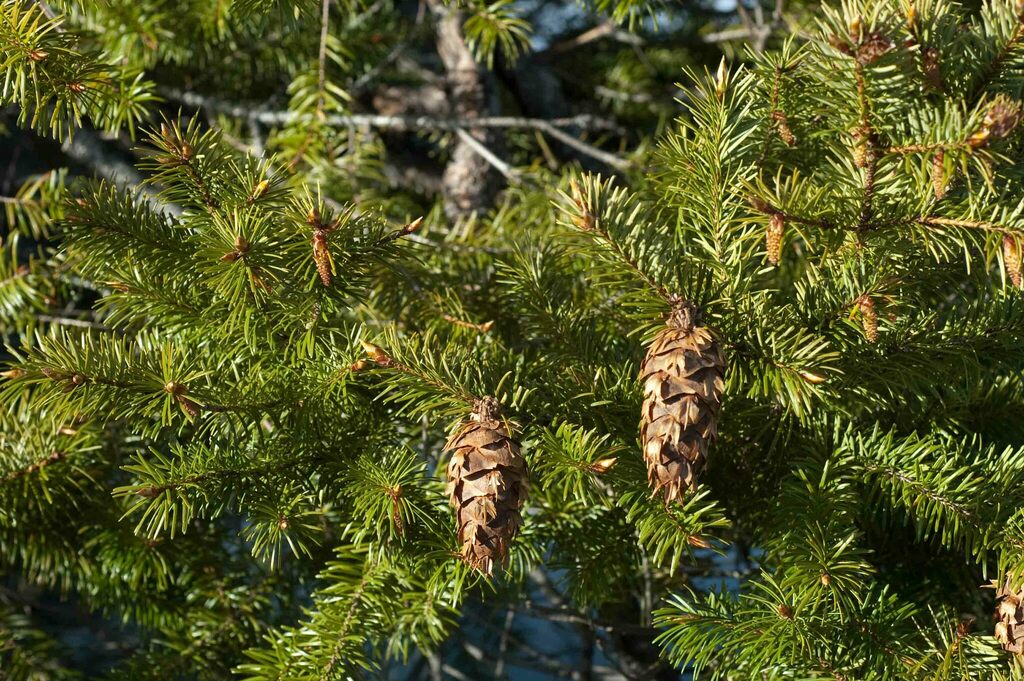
(313, 217)
(37, 55)
(811, 377)
(282, 523)
(487, 326)
(376, 353)
(698, 542)
(165, 131)
(76, 87)
(413, 226)
(911, 16)
(785, 611)
(358, 365)
(185, 151)
(67, 430)
(150, 492)
(760, 205)
(603, 466)
(826, 579)
(12, 374)
(963, 627)
(175, 388)
(773, 237)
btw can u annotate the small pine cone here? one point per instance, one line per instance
(682, 376)
(1012, 260)
(869, 318)
(939, 174)
(1010, 618)
(322, 257)
(773, 237)
(782, 125)
(487, 481)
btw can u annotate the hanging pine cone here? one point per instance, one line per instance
(1012, 261)
(487, 480)
(939, 174)
(1010, 618)
(773, 237)
(682, 377)
(868, 318)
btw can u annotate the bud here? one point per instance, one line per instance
(911, 16)
(37, 55)
(721, 79)
(151, 492)
(413, 226)
(175, 388)
(67, 430)
(585, 221)
(313, 217)
(185, 151)
(260, 190)
(785, 611)
(826, 579)
(698, 542)
(322, 257)
(357, 365)
(811, 377)
(603, 466)
(773, 237)
(12, 374)
(376, 353)
(964, 626)
(282, 523)
(1001, 633)
(76, 87)
(855, 26)
(873, 47)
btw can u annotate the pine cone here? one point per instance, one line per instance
(322, 257)
(683, 382)
(782, 125)
(1011, 259)
(773, 237)
(939, 174)
(1010, 618)
(869, 318)
(487, 481)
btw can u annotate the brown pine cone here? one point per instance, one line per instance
(487, 483)
(683, 379)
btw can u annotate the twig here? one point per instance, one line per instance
(488, 155)
(499, 666)
(606, 29)
(47, 10)
(565, 138)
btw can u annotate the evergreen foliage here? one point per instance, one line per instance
(232, 439)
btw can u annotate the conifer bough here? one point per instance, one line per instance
(682, 376)
(487, 480)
